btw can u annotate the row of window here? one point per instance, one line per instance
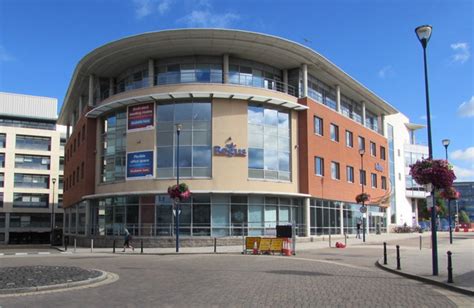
(76, 142)
(36, 162)
(74, 177)
(27, 123)
(28, 142)
(318, 124)
(319, 170)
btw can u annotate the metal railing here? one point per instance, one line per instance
(192, 230)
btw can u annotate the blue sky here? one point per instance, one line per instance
(41, 41)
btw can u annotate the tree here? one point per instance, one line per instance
(463, 217)
(424, 213)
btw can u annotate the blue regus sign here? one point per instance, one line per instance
(140, 165)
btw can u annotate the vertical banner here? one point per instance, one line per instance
(141, 116)
(139, 165)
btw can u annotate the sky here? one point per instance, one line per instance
(41, 42)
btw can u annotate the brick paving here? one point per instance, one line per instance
(17, 277)
(232, 280)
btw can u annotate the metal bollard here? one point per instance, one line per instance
(92, 245)
(215, 245)
(329, 239)
(74, 245)
(398, 258)
(420, 242)
(66, 240)
(384, 253)
(141, 246)
(113, 251)
(345, 239)
(450, 267)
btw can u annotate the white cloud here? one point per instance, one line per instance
(466, 109)
(467, 154)
(385, 71)
(207, 19)
(4, 55)
(463, 174)
(461, 52)
(144, 8)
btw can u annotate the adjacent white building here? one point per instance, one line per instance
(31, 159)
(404, 151)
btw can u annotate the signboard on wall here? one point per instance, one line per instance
(140, 165)
(141, 116)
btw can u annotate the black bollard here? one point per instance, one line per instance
(398, 258)
(114, 247)
(450, 268)
(141, 246)
(384, 253)
(215, 245)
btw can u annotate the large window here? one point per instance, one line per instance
(321, 92)
(33, 143)
(2, 179)
(28, 123)
(319, 166)
(132, 79)
(318, 126)
(30, 200)
(113, 141)
(31, 180)
(32, 162)
(192, 72)
(2, 160)
(269, 143)
(194, 140)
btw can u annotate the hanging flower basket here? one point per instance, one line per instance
(433, 171)
(450, 194)
(362, 198)
(180, 192)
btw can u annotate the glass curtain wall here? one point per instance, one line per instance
(194, 142)
(113, 141)
(269, 143)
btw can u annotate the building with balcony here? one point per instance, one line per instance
(271, 133)
(404, 150)
(31, 157)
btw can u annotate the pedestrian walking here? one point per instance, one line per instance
(358, 228)
(127, 241)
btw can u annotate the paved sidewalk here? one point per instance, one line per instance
(418, 262)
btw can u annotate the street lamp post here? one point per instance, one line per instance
(446, 144)
(176, 201)
(362, 152)
(424, 33)
(53, 220)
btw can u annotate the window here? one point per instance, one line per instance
(28, 124)
(82, 170)
(362, 177)
(194, 142)
(382, 153)
(373, 180)
(61, 182)
(113, 141)
(319, 166)
(350, 174)
(77, 174)
(361, 143)
(334, 132)
(335, 171)
(78, 139)
(384, 182)
(61, 163)
(32, 162)
(373, 149)
(349, 139)
(30, 200)
(3, 140)
(2, 179)
(31, 180)
(269, 143)
(2, 160)
(74, 178)
(33, 143)
(318, 126)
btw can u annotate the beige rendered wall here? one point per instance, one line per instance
(229, 119)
